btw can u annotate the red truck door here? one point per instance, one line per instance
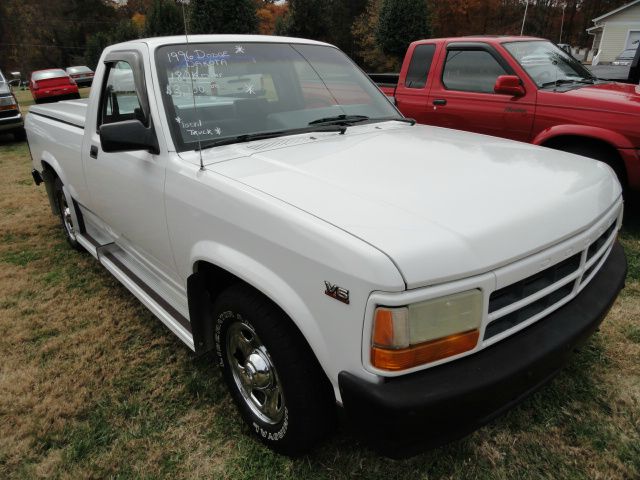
(416, 76)
(462, 95)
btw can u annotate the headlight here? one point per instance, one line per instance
(404, 337)
(7, 103)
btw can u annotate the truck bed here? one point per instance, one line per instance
(72, 112)
(387, 82)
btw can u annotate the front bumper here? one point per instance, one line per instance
(13, 122)
(408, 414)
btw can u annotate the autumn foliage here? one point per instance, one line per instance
(268, 16)
(56, 33)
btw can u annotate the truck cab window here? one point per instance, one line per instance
(471, 71)
(119, 99)
(420, 66)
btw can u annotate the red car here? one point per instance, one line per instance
(52, 84)
(521, 88)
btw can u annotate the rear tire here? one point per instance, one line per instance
(66, 220)
(272, 375)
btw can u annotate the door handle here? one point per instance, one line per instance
(439, 102)
(93, 151)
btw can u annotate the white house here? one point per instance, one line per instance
(615, 31)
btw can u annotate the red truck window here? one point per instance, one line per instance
(420, 66)
(471, 71)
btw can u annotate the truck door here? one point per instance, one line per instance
(412, 91)
(462, 97)
(127, 188)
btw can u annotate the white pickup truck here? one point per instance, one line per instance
(329, 251)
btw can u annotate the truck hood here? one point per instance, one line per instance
(441, 204)
(613, 97)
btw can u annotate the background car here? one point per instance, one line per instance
(625, 58)
(52, 84)
(10, 117)
(566, 47)
(82, 75)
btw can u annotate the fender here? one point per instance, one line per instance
(613, 138)
(49, 159)
(266, 281)
(49, 180)
(67, 189)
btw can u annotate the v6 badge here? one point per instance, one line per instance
(334, 291)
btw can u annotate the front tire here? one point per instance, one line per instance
(66, 220)
(272, 375)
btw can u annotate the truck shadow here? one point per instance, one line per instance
(631, 221)
(9, 139)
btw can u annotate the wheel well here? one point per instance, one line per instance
(592, 148)
(203, 287)
(216, 279)
(49, 176)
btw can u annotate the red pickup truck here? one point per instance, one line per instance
(522, 88)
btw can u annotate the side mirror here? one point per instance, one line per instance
(128, 135)
(509, 85)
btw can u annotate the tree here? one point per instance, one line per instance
(217, 16)
(367, 51)
(342, 14)
(139, 20)
(269, 14)
(400, 23)
(95, 45)
(124, 31)
(164, 18)
(307, 19)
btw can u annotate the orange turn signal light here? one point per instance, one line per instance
(401, 359)
(383, 331)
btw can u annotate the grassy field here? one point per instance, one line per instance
(93, 386)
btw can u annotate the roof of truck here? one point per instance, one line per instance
(483, 38)
(155, 42)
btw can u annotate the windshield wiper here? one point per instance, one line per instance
(564, 81)
(351, 119)
(248, 137)
(340, 120)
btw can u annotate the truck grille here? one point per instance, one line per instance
(527, 291)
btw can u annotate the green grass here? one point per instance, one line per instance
(93, 386)
(26, 100)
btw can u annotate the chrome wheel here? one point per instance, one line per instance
(67, 220)
(254, 373)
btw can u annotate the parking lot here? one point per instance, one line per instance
(94, 386)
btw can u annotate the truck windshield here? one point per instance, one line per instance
(218, 91)
(548, 65)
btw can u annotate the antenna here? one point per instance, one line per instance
(193, 88)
